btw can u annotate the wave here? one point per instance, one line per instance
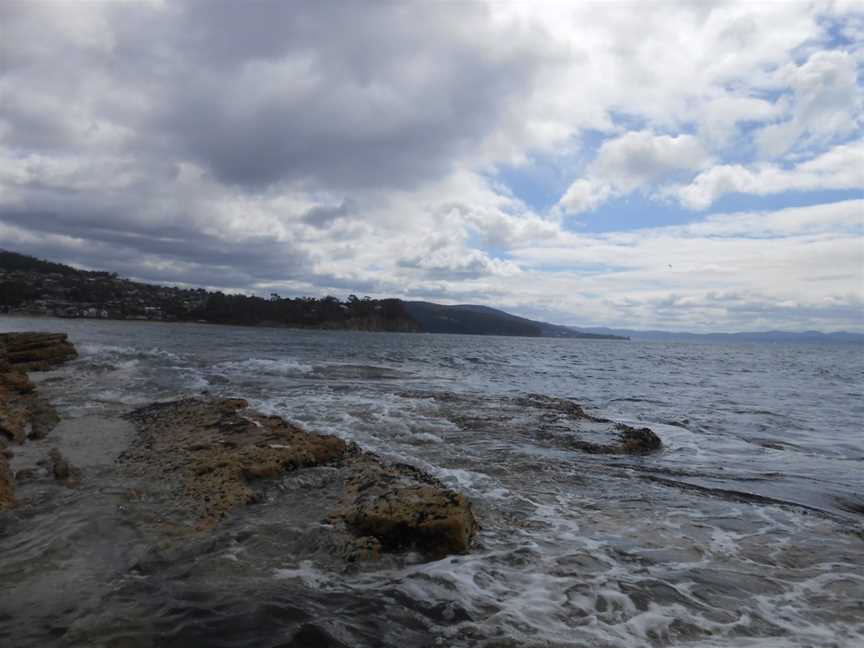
(265, 366)
(96, 352)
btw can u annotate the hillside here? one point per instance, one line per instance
(31, 286)
(469, 319)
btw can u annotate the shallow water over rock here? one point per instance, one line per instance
(744, 529)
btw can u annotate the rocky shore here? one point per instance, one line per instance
(196, 461)
(202, 458)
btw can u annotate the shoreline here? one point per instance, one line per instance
(210, 453)
(296, 328)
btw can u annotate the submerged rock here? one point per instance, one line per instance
(62, 470)
(551, 421)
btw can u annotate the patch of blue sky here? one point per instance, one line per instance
(738, 202)
(630, 212)
(539, 185)
(834, 36)
(636, 211)
(624, 122)
(582, 269)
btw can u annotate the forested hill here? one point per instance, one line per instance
(35, 287)
(31, 286)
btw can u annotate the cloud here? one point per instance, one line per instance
(827, 104)
(322, 216)
(722, 117)
(842, 167)
(630, 162)
(802, 264)
(459, 264)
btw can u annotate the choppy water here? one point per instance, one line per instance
(746, 530)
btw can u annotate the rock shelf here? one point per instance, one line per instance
(211, 452)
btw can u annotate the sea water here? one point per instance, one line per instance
(744, 530)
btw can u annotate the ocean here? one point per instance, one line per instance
(745, 529)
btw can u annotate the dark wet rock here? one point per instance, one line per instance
(559, 405)
(7, 488)
(211, 454)
(355, 549)
(546, 420)
(312, 635)
(32, 351)
(628, 441)
(62, 470)
(637, 440)
(25, 474)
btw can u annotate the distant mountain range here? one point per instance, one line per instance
(470, 319)
(803, 337)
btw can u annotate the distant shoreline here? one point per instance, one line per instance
(276, 325)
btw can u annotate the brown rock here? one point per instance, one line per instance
(33, 351)
(14, 420)
(403, 507)
(216, 451)
(22, 413)
(17, 381)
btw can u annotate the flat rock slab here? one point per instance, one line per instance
(208, 454)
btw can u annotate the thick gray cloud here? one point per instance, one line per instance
(103, 109)
(342, 96)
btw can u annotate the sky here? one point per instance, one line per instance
(689, 166)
